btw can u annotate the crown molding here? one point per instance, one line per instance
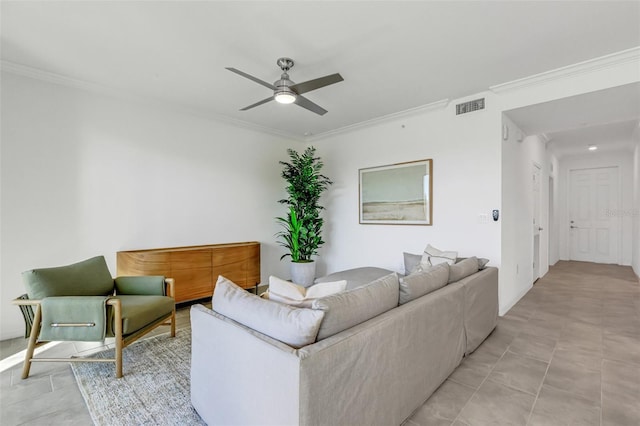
(50, 77)
(380, 120)
(591, 65)
(545, 138)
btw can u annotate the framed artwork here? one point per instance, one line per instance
(397, 194)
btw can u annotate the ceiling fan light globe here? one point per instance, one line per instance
(285, 98)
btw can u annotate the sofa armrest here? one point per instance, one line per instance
(481, 306)
(26, 306)
(224, 373)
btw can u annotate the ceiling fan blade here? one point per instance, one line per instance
(306, 103)
(250, 77)
(317, 83)
(264, 101)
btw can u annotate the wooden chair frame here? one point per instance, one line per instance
(121, 341)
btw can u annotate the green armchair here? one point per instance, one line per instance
(82, 302)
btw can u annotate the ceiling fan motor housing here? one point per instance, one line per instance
(282, 86)
(285, 64)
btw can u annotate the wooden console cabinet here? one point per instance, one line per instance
(195, 268)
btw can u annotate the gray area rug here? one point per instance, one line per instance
(155, 388)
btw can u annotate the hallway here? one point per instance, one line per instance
(567, 353)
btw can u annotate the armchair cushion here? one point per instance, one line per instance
(66, 310)
(145, 285)
(90, 277)
(140, 311)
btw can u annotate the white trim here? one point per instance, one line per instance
(545, 138)
(507, 307)
(50, 77)
(383, 119)
(584, 67)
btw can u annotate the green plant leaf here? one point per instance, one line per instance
(305, 185)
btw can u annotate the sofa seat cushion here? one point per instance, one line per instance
(421, 283)
(356, 277)
(140, 311)
(355, 306)
(296, 327)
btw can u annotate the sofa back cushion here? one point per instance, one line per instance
(463, 269)
(420, 283)
(482, 262)
(411, 262)
(90, 277)
(352, 307)
(296, 327)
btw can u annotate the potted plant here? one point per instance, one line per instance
(302, 226)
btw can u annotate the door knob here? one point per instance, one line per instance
(573, 226)
(540, 228)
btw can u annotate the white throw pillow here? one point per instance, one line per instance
(432, 256)
(295, 295)
(293, 326)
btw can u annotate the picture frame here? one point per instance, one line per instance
(397, 194)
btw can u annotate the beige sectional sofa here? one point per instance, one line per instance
(375, 373)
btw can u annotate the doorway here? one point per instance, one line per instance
(554, 245)
(536, 192)
(593, 224)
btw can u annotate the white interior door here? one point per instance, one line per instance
(594, 230)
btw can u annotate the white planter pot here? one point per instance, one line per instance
(303, 273)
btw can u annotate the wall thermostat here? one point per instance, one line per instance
(496, 215)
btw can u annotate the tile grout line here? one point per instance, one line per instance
(535, 401)
(482, 383)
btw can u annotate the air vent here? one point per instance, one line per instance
(470, 106)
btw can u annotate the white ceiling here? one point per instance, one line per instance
(605, 118)
(393, 55)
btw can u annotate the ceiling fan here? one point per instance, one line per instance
(286, 91)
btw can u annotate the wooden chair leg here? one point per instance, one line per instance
(117, 307)
(173, 322)
(171, 292)
(33, 338)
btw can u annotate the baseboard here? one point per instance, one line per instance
(504, 309)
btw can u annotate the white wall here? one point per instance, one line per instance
(519, 154)
(624, 161)
(84, 175)
(466, 183)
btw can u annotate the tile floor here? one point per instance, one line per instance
(50, 395)
(567, 353)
